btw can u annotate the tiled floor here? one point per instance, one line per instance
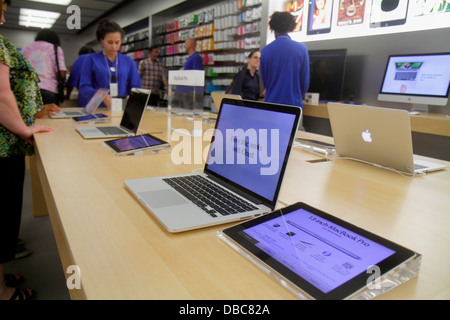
(42, 269)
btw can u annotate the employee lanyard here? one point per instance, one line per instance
(112, 69)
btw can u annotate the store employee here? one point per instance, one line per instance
(108, 68)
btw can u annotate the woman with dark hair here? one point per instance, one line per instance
(247, 83)
(108, 68)
(41, 55)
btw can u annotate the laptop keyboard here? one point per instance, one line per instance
(111, 130)
(210, 197)
(418, 166)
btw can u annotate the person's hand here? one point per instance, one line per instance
(49, 109)
(108, 101)
(28, 137)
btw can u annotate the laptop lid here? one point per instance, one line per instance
(377, 135)
(251, 147)
(134, 109)
(95, 101)
(217, 99)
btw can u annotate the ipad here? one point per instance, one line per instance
(91, 117)
(386, 13)
(317, 255)
(319, 17)
(135, 143)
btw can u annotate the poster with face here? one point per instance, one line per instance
(351, 12)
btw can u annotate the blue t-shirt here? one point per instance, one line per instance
(74, 77)
(285, 71)
(194, 62)
(96, 72)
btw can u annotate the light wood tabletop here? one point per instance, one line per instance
(124, 253)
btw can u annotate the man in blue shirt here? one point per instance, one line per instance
(194, 61)
(183, 97)
(284, 64)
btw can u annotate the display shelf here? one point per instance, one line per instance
(225, 32)
(136, 41)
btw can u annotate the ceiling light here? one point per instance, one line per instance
(38, 18)
(58, 2)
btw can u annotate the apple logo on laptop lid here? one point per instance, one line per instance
(367, 136)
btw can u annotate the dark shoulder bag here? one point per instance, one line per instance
(61, 81)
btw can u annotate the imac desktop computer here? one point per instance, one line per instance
(419, 79)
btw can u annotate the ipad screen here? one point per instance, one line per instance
(324, 256)
(135, 143)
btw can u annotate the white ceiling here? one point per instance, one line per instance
(91, 12)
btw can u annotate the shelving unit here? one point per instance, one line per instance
(225, 32)
(137, 41)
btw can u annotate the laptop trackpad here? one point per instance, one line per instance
(162, 198)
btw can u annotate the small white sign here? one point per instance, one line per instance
(116, 104)
(187, 78)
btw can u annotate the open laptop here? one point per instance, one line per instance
(129, 124)
(89, 109)
(380, 136)
(247, 158)
(217, 97)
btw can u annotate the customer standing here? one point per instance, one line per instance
(247, 83)
(108, 68)
(194, 61)
(20, 100)
(284, 64)
(153, 75)
(41, 55)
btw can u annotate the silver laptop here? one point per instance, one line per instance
(243, 172)
(129, 124)
(380, 136)
(217, 97)
(89, 109)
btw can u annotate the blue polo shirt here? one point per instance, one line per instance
(95, 74)
(285, 71)
(74, 77)
(194, 62)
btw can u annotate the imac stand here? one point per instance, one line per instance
(422, 108)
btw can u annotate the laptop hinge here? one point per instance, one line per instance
(234, 189)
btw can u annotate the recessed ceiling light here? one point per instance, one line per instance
(37, 18)
(58, 2)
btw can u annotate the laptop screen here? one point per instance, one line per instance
(134, 110)
(426, 75)
(251, 146)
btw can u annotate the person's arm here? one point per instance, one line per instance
(86, 86)
(10, 116)
(49, 109)
(304, 74)
(62, 64)
(63, 74)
